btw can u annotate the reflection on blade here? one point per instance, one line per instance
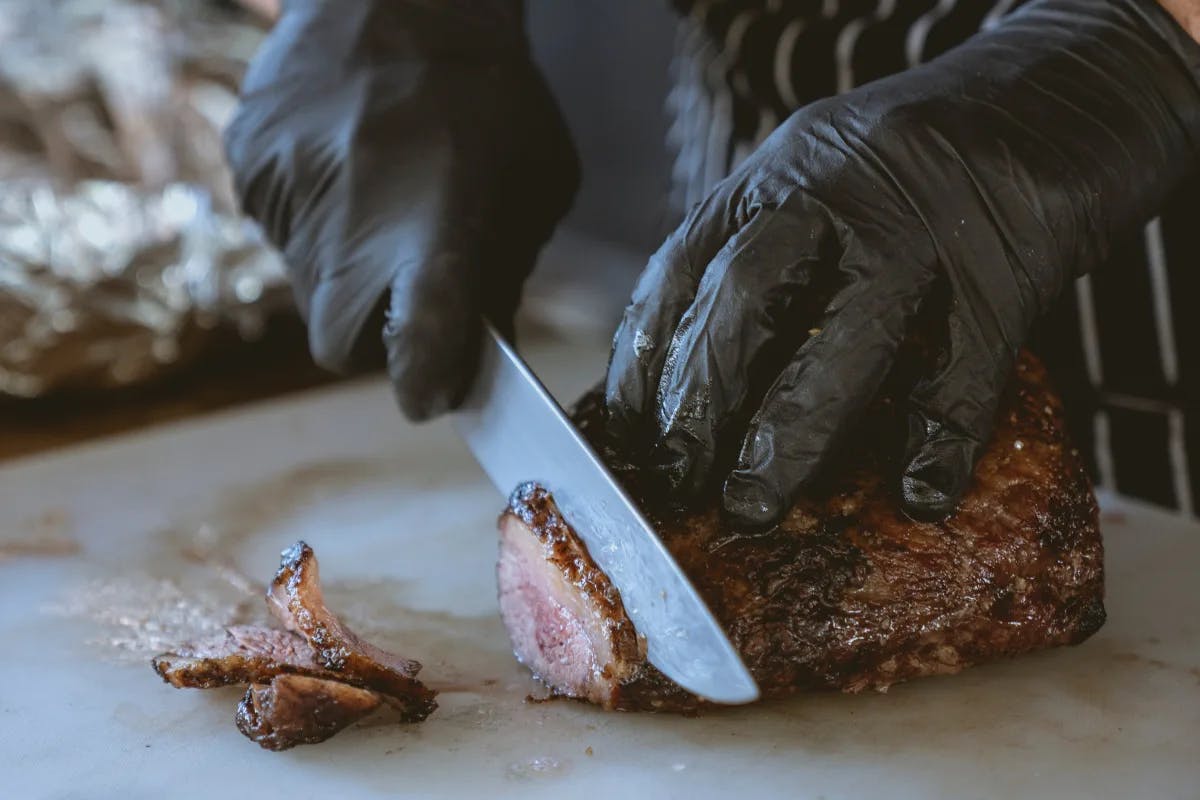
(518, 433)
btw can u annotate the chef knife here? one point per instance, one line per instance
(518, 433)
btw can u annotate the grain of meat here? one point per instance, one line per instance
(847, 592)
(306, 682)
(296, 709)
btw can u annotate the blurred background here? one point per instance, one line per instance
(132, 291)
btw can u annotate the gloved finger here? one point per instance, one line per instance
(465, 262)
(663, 293)
(750, 301)
(820, 395)
(290, 146)
(363, 224)
(434, 321)
(951, 415)
(432, 335)
(280, 168)
(510, 260)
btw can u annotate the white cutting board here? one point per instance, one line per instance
(403, 524)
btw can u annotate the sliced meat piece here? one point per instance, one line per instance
(241, 654)
(251, 654)
(307, 682)
(554, 596)
(297, 709)
(296, 600)
(847, 593)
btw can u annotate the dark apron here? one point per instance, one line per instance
(1124, 346)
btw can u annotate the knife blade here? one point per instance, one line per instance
(518, 433)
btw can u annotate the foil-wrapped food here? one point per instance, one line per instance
(121, 249)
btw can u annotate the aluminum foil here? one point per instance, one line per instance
(121, 249)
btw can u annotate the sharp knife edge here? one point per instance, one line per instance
(518, 433)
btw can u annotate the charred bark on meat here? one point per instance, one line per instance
(306, 682)
(847, 593)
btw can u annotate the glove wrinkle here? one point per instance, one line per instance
(736, 321)
(409, 161)
(990, 176)
(660, 299)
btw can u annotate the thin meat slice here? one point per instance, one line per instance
(846, 593)
(307, 682)
(240, 654)
(298, 709)
(296, 600)
(560, 605)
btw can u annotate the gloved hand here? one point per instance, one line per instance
(996, 173)
(407, 158)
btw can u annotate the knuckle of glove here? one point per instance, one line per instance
(432, 334)
(287, 157)
(331, 337)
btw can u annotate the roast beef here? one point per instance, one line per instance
(847, 593)
(306, 682)
(297, 709)
(296, 600)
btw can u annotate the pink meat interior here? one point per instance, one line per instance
(556, 630)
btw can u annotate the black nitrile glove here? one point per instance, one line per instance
(995, 174)
(407, 158)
